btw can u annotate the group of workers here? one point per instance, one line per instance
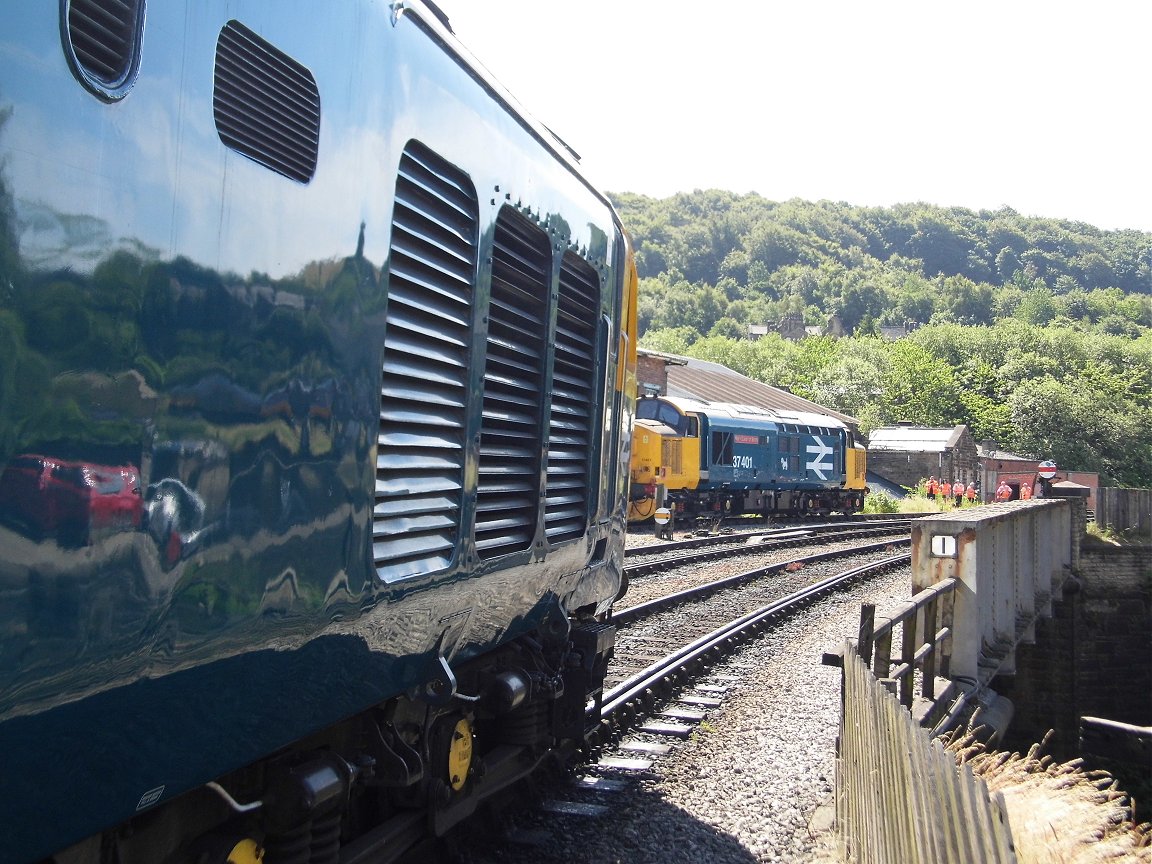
(1004, 491)
(944, 490)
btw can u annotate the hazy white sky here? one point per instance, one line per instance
(1044, 107)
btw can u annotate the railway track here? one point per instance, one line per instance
(758, 523)
(694, 613)
(664, 641)
(662, 709)
(715, 529)
(645, 542)
(644, 560)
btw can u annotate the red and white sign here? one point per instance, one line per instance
(1047, 469)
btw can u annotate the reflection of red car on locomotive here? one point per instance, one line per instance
(702, 458)
(72, 500)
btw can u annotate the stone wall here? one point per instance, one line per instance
(1114, 634)
(1091, 658)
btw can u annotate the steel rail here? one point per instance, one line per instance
(624, 695)
(632, 613)
(783, 532)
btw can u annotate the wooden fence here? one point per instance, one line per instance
(923, 629)
(981, 579)
(900, 796)
(1124, 509)
(922, 624)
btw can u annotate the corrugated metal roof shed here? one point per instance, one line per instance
(914, 439)
(711, 382)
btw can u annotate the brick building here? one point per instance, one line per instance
(997, 465)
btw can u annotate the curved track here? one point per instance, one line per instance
(629, 699)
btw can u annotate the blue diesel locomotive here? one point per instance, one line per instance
(317, 357)
(719, 459)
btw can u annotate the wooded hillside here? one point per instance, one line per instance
(1037, 333)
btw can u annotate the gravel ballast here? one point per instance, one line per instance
(748, 783)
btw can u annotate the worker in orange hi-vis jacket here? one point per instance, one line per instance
(930, 487)
(945, 490)
(1003, 491)
(1025, 491)
(970, 492)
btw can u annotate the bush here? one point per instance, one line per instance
(880, 502)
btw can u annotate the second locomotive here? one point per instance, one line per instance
(703, 459)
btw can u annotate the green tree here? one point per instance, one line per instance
(920, 388)
(859, 302)
(1054, 420)
(853, 380)
(1038, 306)
(730, 328)
(967, 302)
(673, 340)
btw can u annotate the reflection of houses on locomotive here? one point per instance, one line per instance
(303, 407)
(197, 486)
(283, 428)
(218, 398)
(720, 442)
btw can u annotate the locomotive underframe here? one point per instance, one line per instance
(686, 504)
(411, 767)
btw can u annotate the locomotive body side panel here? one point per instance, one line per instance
(738, 453)
(681, 462)
(648, 442)
(299, 346)
(856, 468)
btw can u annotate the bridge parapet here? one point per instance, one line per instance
(1008, 559)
